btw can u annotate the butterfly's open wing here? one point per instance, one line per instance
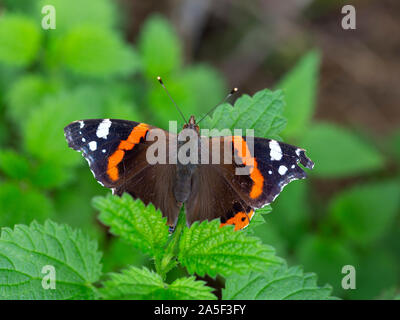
(116, 153)
(270, 166)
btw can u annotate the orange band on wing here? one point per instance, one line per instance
(239, 220)
(244, 153)
(136, 134)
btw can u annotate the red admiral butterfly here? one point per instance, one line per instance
(116, 153)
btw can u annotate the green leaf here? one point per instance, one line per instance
(258, 219)
(366, 212)
(198, 88)
(394, 144)
(261, 112)
(26, 94)
(300, 88)
(72, 205)
(95, 52)
(43, 131)
(377, 261)
(120, 102)
(13, 164)
(20, 40)
(205, 86)
(338, 152)
(269, 234)
(19, 5)
(135, 283)
(277, 283)
(189, 289)
(143, 226)
(326, 256)
(73, 13)
(49, 175)
(159, 47)
(132, 283)
(25, 250)
(205, 248)
(22, 204)
(292, 212)
(119, 253)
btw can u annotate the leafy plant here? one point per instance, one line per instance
(277, 283)
(203, 249)
(345, 213)
(26, 250)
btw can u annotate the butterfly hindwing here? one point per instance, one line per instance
(270, 166)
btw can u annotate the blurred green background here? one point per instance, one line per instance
(342, 94)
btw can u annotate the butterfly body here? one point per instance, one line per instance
(118, 155)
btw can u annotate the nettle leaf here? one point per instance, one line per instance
(189, 289)
(160, 47)
(277, 283)
(26, 250)
(143, 226)
(13, 164)
(261, 112)
(131, 283)
(135, 283)
(338, 152)
(300, 88)
(366, 212)
(258, 219)
(20, 39)
(205, 248)
(95, 52)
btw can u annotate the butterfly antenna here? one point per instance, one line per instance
(173, 101)
(233, 91)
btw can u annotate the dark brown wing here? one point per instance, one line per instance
(220, 191)
(213, 197)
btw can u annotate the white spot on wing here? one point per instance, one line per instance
(298, 152)
(270, 172)
(104, 150)
(81, 124)
(293, 166)
(103, 128)
(276, 151)
(83, 140)
(282, 170)
(93, 145)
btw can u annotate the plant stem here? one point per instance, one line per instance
(164, 263)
